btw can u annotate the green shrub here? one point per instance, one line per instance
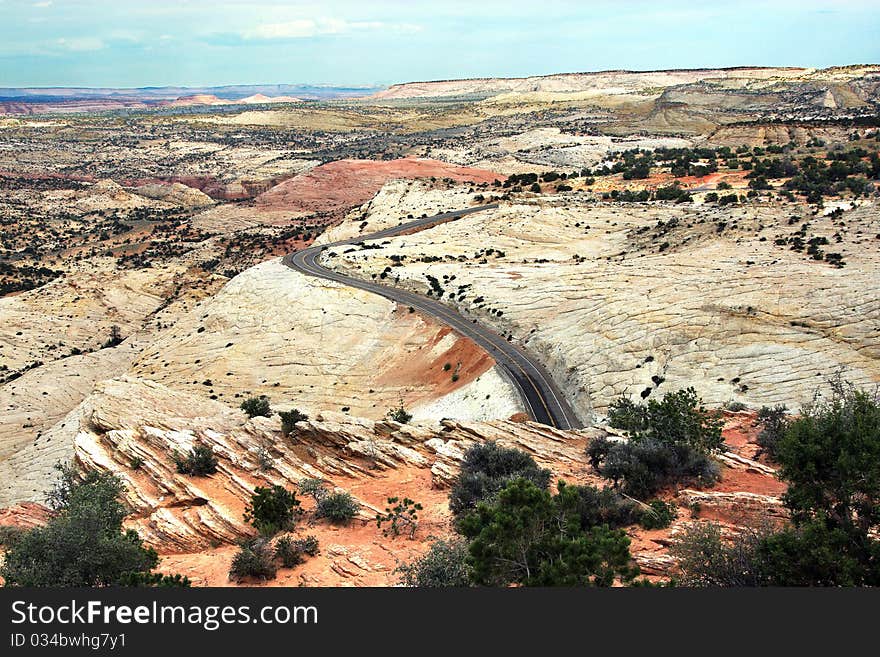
(289, 420)
(813, 553)
(400, 514)
(253, 560)
(114, 339)
(292, 552)
(679, 418)
(830, 459)
(659, 516)
(641, 468)
(624, 413)
(706, 559)
(272, 509)
(199, 462)
(604, 506)
(67, 480)
(400, 414)
(773, 422)
(10, 533)
(257, 406)
(287, 553)
(529, 537)
(308, 545)
(670, 442)
(442, 566)
(84, 544)
(487, 468)
(313, 487)
(338, 508)
(155, 580)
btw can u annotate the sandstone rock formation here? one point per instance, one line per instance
(133, 427)
(607, 81)
(344, 184)
(176, 194)
(647, 299)
(316, 345)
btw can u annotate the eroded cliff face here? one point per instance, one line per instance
(135, 421)
(133, 428)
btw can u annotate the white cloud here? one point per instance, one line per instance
(81, 44)
(310, 27)
(42, 5)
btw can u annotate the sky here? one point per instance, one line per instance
(122, 43)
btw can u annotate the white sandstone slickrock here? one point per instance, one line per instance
(588, 289)
(319, 345)
(134, 427)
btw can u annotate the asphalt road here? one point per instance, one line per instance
(541, 396)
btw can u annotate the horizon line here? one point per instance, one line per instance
(332, 85)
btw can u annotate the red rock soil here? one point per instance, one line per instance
(344, 184)
(606, 183)
(422, 369)
(359, 555)
(354, 555)
(740, 437)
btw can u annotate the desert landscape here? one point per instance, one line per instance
(359, 305)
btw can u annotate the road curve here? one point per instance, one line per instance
(545, 402)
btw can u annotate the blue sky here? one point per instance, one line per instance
(123, 43)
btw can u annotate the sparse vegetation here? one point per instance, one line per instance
(339, 508)
(487, 468)
(199, 462)
(314, 488)
(292, 552)
(444, 565)
(400, 414)
(272, 509)
(670, 442)
(114, 339)
(154, 580)
(401, 514)
(705, 558)
(257, 406)
(830, 459)
(773, 422)
(254, 560)
(527, 536)
(109, 255)
(658, 515)
(289, 420)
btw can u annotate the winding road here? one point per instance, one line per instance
(542, 397)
